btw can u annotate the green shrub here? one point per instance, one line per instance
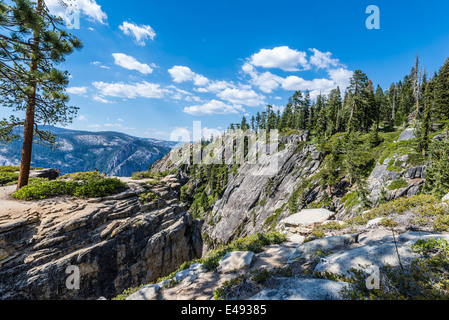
(398, 184)
(83, 176)
(8, 177)
(87, 185)
(148, 197)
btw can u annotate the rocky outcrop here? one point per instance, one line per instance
(332, 257)
(114, 243)
(251, 198)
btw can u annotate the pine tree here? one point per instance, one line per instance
(358, 99)
(32, 42)
(437, 175)
(442, 92)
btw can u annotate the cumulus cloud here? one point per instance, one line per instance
(316, 85)
(88, 8)
(341, 77)
(213, 107)
(266, 82)
(141, 33)
(281, 58)
(81, 91)
(183, 74)
(102, 100)
(323, 60)
(131, 63)
(131, 91)
(242, 97)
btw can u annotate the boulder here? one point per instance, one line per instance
(446, 198)
(148, 292)
(50, 174)
(374, 222)
(306, 218)
(329, 244)
(302, 289)
(236, 261)
(407, 134)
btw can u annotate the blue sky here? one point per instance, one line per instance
(151, 68)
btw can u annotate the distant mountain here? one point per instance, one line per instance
(113, 153)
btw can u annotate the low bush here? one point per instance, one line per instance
(148, 197)
(8, 177)
(86, 185)
(398, 184)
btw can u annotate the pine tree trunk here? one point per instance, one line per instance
(28, 133)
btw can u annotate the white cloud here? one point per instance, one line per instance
(140, 33)
(280, 57)
(182, 74)
(341, 77)
(89, 8)
(297, 83)
(81, 91)
(82, 118)
(99, 64)
(131, 91)
(102, 100)
(213, 107)
(242, 97)
(131, 63)
(267, 82)
(323, 60)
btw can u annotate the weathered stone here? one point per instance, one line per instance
(3, 254)
(306, 218)
(446, 197)
(302, 289)
(236, 261)
(148, 292)
(50, 174)
(114, 243)
(407, 134)
(365, 257)
(329, 244)
(374, 222)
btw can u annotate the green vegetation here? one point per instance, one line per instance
(140, 175)
(272, 220)
(397, 184)
(83, 185)
(148, 197)
(34, 43)
(10, 174)
(425, 279)
(437, 176)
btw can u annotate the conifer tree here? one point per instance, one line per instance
(442, 92)
(32, 43)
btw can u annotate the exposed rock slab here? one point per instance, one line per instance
(302, 289)
(113, 243)
(236, 261)
(304, 219)
(329, 244)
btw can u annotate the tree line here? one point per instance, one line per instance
(418, 99)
